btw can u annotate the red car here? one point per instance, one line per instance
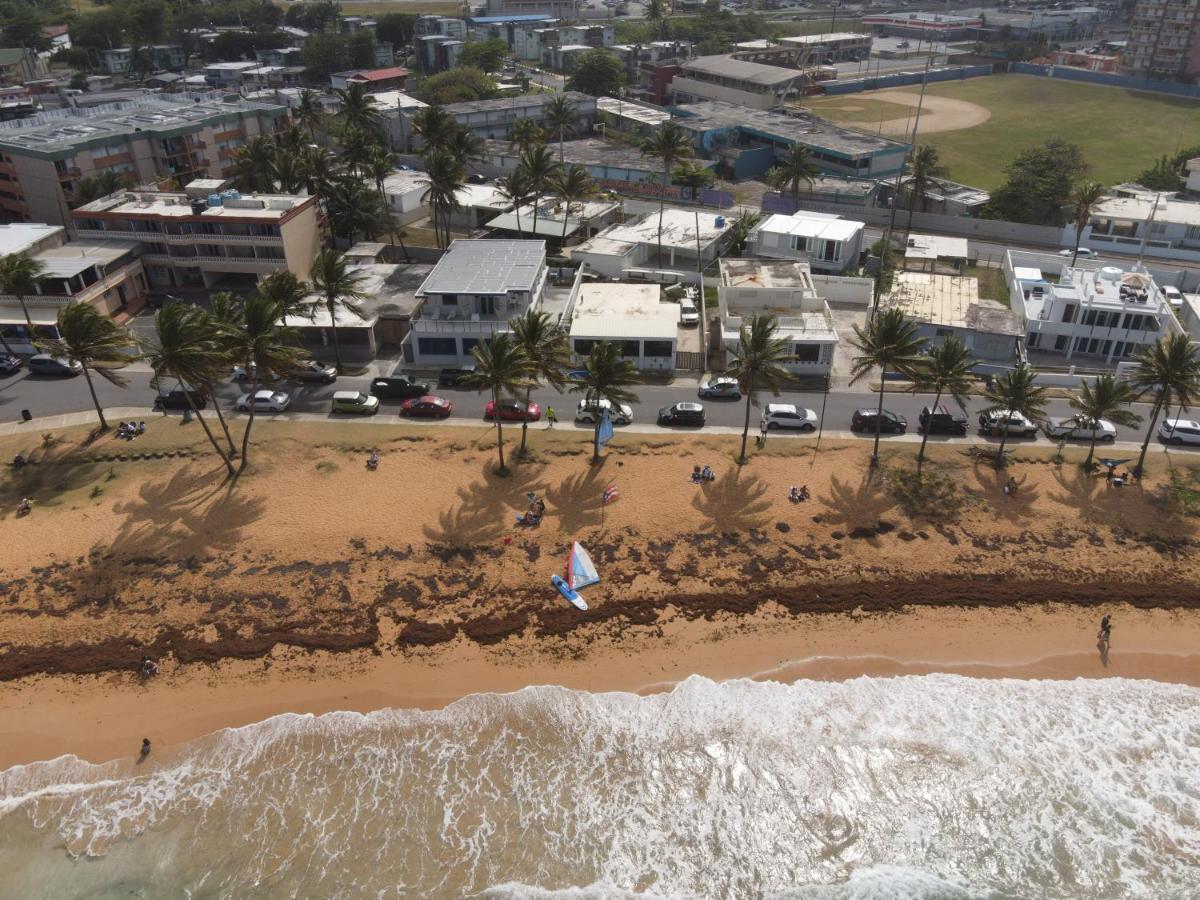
(513, 411)
(429, 407)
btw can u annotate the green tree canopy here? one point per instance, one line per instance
(458, 86)
(395, 28)
(598, 73)
(1039, 184)
(487, 56)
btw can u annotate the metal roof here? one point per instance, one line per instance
(486, 267)
(740, 70)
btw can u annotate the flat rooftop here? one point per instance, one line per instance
(819, 40)
(177, 205)
(740, 70)
(1137, 209)
(78, 256)
(486, 267)
(936, 246)
(678, 230)
(624, 311)
(18, 236)
(390, 101)
(950, 301)
(507, 104)
(596, 152)
(763, 273)
(637, 112)
(941, 189)
(826, 227)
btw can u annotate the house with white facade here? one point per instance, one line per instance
(630, 250)
(1135, 220)
(470, 295)
(1087, 313)
(631, 316)
(828, 243)
(785, 290)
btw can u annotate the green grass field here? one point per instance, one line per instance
(1121, 132)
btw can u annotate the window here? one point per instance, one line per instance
(1060, 342)
(943, 332)
(1032, 341)
(658, 348)
(1068, 312)
(807, 353)
(437, 346)
(487, 306)
(831, 250)
(449, 299)
(631, 348)
(583, 346)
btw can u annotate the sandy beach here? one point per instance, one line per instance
(313, 585)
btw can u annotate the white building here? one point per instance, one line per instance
(1089, 312)
(556, 222)
(227, 74)
(736, 81)
(1167, 225)
(630, 250)
(826, 242)
(470, 295)
(478, 204)
(631, 316)
(785, 290)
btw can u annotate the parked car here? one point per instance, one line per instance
(264, 401)
(587, 411)
(243, 374)
(682, 414)
(1173, 296)
(1084, 253)
(427, 407)
(178, 399)
(720, 388)
(1070, 430)
(477, 178)
(455, 377)
(940, 420)
(788, 415)
(10, 365)
(688, 314)
(355, 402)
(1180, 431)
(889, 422)
(57, 366)
(398, 387)
(513, 411)
(998, 423)
(313, 371)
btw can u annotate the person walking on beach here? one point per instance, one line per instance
(145, 749)
(1106, 628)
(551, 417)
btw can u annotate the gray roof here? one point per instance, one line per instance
(752, 73)
(486, 267)
(524, 101)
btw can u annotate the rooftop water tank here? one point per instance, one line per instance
(1111, 273)
(214, 200)
(720, 223)
(230, 195)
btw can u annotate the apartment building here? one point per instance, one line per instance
(440, 25)
(1136, 220)
(437, 53)
(119, 60)
(736, 81)
(205, 235)
(630, 250)
(470, 295)
(494, 118)
(827, 243)
(1164, 40)
(531, 42)
(558, 9)
(43, 157)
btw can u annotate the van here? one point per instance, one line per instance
(1173, 297)
(355, 402)
(57, 366)
(688, 314)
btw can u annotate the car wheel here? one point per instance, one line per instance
(241, 408)
(1175, 439)
(772, 426)
(1109, 438)
(808, 428)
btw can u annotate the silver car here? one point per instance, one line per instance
(1071, 430)
(264, 401)
(587, 411)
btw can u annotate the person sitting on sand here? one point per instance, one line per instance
(140, 428)
(25, 506)
(1010, 487)
(707, 474)
(145, 749)
(19, 461)
(794, 494)
(697, 475)
(373, 460)
(149, 666)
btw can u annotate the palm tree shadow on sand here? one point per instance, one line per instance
(576, 502)
(1015, 506)
(736, 501)
(856, 507)
(486, 507)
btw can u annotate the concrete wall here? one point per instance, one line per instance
(897, 79)
(1107, 78)
(844, 290)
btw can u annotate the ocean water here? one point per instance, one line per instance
(913, 788)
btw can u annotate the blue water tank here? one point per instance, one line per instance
(214, 199)
(230, 195)
(720, 221)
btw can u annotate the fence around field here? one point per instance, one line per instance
(1107, 78)
(899, 79)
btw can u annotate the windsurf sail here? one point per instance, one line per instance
(581, 571)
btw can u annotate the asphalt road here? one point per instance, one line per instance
(50, 396)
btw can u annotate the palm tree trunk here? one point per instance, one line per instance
(4, 341)
(746, 428)
(96, 400)
(212, 438)
(28, 320)
(1003, 439)
(879, 417)
(561, 159)
(912, 201)
(404, 250)
(1078, 238)
(937, 398)
(499, 430)
(596, 435)
(537, 200)
(524, 420)
(337, 351)
(1141, 463)
(249, 425)
(221, 418)
(1087, 463)
(517, 213)
(699, 261)
(662, 207)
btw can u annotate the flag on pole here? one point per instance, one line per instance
(610, 494)
(606, 427)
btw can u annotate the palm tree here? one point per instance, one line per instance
(739, 232)
(262, 345)
(290, 140)
(309, 113)
(656, 17)
(501, 367)
(19, 276)
(525, 133)
(380, 165)
(93, 187)
(354, 208)
(515, 189)
(545, 347)
(607, 376)
(1083, 199)
(670, 144)
(890, 342)
(540, 168)
(1169, 370)
(88, 338)
(359, 110)
(445, 177)
(757, 359)
(320, 169)
(287, 170)
(337, 283)
(944, 369)
(466, 146)
(561, 116)
(358, 146)
(923, 167)
(1106, 398)
(795, 169)
(434, 126)
(184, 348)
(696, 177)
(289, 292)
(572, 184)
(254, 165)
(221, 324)
(1015, 391)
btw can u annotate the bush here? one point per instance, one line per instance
(930, 494)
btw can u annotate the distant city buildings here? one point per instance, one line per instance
(1164, 40)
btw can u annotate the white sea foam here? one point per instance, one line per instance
(914, 787)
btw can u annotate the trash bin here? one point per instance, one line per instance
(26, 416)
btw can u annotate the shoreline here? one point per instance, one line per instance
(103, 717)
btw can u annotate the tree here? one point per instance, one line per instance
(572, 184)
(890, 343)
(185, 348)
(1084, 197)
(381, 165)
(1015, 391)
(261, 344)
(288, 172)
(598, 73)
(757, 360)
(562, 117)
(944, 369)
(546, 351)
(1038, 185)
(696, 177)
(320, 169)
(19, 276)
(287, 292)
(501, 368)
(739, 232)
(253, 167)
(359, 110)
(465, 146)
(923, 167)
(795, 169)
(515, 189)
(93, 187)
(487, 56)
(606, 376)
(670, 144)
(540, 168)
(334, 280)
(525, 133)
(88, 338)
(1169, 371)
(656, 16)
(434, 126)
(354, 208)
(395, 28)
(323, 55)
(458, 85)
(445, 177)
(309, 113)
(1106, 398)
(361, 45)
(222, 321)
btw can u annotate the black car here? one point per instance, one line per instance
(682, 414)
(476, 178)
(9, 365)
(178, 399)
(398, 387)
(455, 377)
(940, 420)
(889, 422)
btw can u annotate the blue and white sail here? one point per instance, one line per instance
(581, 571)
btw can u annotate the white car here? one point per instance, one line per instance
(1173, 296)
(1180, 431)
(720, 388)
(242, 374)
(1071, 430)
(688, 314)
(587, 411)
(1012, 423)
(1084, 253)
(264, 401)
(788, 415)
